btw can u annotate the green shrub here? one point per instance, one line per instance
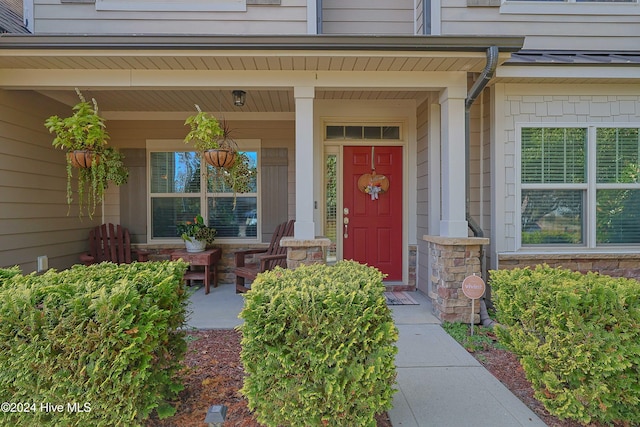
(577, 337)
(7, 273)
(102, 341)
(318, 346)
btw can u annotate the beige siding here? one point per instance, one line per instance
(422, 196)
(33, 208)
(564, 28)
(368, 17)
(53, 17)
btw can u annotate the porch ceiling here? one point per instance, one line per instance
(276, 101)
(37, 56)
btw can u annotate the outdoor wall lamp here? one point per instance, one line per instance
(216, 416)
(239, 96)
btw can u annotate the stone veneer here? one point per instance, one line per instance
(451, 261)
(305, 252)
(227, 262)
(612, 264)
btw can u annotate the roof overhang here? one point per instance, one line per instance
(251, 42)
(248, 52)
(167, 73)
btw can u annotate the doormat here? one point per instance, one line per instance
(399, 298)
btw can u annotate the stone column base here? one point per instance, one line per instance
(451, 261)
(305, 251)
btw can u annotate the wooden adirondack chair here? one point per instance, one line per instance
(109, 242)
(267, 259)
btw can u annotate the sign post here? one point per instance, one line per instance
(473, 287)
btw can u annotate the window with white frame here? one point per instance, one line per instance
(579, 185)
(179, 191)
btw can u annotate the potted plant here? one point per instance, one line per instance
(196, 234)
(209, 137)
(213, 139)
(84, 136)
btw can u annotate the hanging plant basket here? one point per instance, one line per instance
(220, 158)
(82, 159)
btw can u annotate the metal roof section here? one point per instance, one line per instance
(538, 57)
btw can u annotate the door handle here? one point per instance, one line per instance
(345, 221)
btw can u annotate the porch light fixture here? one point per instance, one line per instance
(216, 416)
(239, 96)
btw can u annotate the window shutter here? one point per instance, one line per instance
(275, 194)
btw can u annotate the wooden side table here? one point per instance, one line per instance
(206, 259)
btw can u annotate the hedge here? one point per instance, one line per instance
(577, 337)
(318, 346)
(98, 345)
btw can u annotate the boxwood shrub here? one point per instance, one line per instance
(577, 337)
(318, 346)
(91, 346)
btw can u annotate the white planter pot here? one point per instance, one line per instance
(195, 245)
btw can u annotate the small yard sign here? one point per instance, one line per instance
(473, 287)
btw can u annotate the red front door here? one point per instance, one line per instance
(372, 227)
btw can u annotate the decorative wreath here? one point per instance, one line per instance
(373, 184)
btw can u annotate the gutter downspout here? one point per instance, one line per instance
(477, 88)
(486, 75)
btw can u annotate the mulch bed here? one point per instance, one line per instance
(212, 376)
(505, 366)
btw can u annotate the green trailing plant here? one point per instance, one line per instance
(577, 338)
(205, 131)
(85, 130)
(318, 346)
(104, 341)
(239, 177)
(92, 182)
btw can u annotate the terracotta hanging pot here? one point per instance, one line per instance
(220, 158)
(82, 158)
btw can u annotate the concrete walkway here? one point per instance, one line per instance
(439, 384)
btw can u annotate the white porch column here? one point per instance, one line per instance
(453, 221)
(304, 227)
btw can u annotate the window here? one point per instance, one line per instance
(362, 132)
(580, 186)
(331, 204)
(179, 191)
